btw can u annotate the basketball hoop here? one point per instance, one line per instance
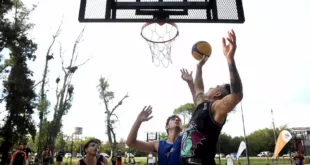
(160, 38)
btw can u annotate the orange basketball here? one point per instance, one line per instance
(201, 49)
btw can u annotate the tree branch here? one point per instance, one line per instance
(84, 62)
(115, 116)
(77, 41)
(54, 39)
(61, 58)
(119, 103)
(29, 11)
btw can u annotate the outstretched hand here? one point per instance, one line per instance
(188, 77)
(203, 61)
(145, 114)
(230, 49)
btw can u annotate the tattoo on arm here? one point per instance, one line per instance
(199, 97)
(235, 81)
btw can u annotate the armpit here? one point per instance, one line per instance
(199, 98)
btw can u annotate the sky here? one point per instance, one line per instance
(272, 59)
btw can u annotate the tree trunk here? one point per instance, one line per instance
(7, 143)
(114, 140)
(42, 101)
(40, 136)
(109, 131)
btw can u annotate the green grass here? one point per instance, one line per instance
(256, 161)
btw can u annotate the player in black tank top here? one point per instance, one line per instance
(91, 149)
(200, 138)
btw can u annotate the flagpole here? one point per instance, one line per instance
(245, 137)
(274, 128)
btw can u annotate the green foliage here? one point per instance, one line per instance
(105, 147)
(229, 144)
(263, 140)
(185, 111)
(43, 105)
(111, 118)
(18, 88)
(163, 136)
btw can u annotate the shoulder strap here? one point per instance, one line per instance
(82, 162)
(99, 162)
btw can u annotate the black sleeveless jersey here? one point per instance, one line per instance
(200, 138)
(82, 162)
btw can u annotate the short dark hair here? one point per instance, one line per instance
(227, 87)
(169, 118)
(225, 90)
(86, 145)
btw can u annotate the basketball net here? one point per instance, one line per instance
(160, 38)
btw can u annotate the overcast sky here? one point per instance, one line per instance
(272, 59)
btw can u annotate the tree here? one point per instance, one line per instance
(111, 118)
(105, 147)
(163, 136)
(60, 142)
(263, 140)
(121, 145)
(185, 111)
(18, 88)
(64, 95)
(44, 103)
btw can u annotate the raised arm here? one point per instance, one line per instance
(199, 87)
(132, 141)
(188, 77)
(228, 103)
(105, 161)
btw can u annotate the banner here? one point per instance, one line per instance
(242, 146)
(283, 138)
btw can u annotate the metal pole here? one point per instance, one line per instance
(245, 138)
(274, 132)
(274, 128)
(71, 149)
(219, 146)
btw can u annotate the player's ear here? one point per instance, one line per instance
(218, 94)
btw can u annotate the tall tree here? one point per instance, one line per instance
(44, 103)
(64, 92)
(185, 111)
(111, 118)
(263, 140)
(18, 88)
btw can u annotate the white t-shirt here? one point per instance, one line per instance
(150, 158)
(229, 160)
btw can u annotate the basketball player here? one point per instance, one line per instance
(188, 77)
(91, 149)
(200, 138)
(168, 151)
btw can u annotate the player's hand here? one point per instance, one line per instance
(203, 61)
(188, 77)
(145, 114)
(230, 49)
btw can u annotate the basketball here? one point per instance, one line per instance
(200, 49)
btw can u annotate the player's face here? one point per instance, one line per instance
(175, 122)
(20, 147)
(214, 91)
(93, 148)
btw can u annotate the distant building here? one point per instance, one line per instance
(301, 140)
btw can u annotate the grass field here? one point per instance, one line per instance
(253, 160)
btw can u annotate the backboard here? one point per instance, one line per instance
(151, 136)
(184, 11)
